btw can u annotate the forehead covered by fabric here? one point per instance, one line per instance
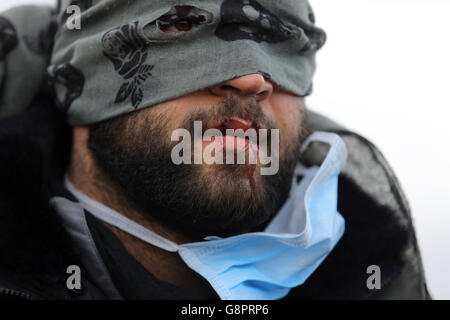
(129, 55)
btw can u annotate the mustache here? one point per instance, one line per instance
(230, 107)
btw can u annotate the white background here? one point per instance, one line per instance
(385, 73)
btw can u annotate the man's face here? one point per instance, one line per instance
(204, 199)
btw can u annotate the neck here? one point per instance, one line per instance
(166, 266)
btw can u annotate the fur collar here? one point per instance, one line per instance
(34, 149)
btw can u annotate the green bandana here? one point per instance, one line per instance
(125, 58)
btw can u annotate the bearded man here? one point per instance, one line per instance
(94, 206)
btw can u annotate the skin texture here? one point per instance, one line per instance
(283, 109)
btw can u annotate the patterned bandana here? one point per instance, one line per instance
(124, 56)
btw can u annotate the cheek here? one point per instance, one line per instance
(174, 111)
(177, 109)
(289, 111)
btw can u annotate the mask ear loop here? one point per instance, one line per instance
(118, 220)
(337, 154)
(298, 223)
(321, 136)
(334, 161)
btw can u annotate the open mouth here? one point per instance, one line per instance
(238, 134)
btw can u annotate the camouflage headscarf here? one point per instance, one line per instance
(123, 59)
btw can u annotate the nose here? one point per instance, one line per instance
(248, 85)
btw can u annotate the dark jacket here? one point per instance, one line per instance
(35, 248)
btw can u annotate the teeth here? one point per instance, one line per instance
(253, 154)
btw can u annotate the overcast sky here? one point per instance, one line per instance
(385, 74)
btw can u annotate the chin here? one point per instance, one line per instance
(238, 187)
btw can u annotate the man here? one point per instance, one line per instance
(94, 204)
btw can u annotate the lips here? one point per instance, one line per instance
(237, 142)
(235, 123)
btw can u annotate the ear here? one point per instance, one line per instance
(81, 158)
(80, 134)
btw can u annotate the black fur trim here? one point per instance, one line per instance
(34, 247)
(372, 237)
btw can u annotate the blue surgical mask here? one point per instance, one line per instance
(262, 265)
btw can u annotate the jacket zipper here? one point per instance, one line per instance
(15, 294)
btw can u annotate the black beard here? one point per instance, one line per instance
(134, 151)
